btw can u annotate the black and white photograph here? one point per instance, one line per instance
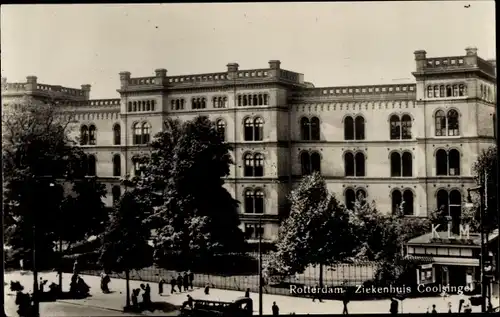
(239, 159)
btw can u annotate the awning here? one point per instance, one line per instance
(452, 261)
(421, 259)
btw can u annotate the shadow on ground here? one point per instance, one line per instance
(155, 306)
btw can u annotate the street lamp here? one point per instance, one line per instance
(59, 271)
(480, 190)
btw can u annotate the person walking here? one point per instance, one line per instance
(276, 309)
(173, 283)
(316, 294)
(179, 282)
(191, 279)
(434, 311)
(185, 281)
(160, 286)
(345, 299)
(394, 306)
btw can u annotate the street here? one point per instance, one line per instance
(288, 304)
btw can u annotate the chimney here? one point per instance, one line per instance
(86, 91)
(420, 59)
(31, 83)
(124, 79)
(274, 64)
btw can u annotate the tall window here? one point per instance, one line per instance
(359, 128)
(401, 165)
(452, 120)
(440, 123)
(349, 128)
(84, 135)
(117, 165)
(92, 165)
(221, 129)
(400, 128)
(451, 204)
(447, 163)
(138, 167)
(354, 165)
(117, 134)
(351, 196)
(402, 201)
(447, 124)
(395, 124)
(253, 231)
(254, 129)
(310, 162)
(254, 165)
(116, 193)
(305, 129)
(146, 133)
(137, 133)
(92, 135)
(430, 92)
(315, 129)
(254, 201)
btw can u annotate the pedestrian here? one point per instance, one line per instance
(434, 311)
(42, 285)
(394, 306)
(345, 299)
(21, 264)
(276, 309)
(76, 267)
(173, 283)
(160, 286)
(207, 289)
(135, 302)
(316, 294)
(179, 282)
(191, 279)
(188, 302)
(468, 307)
(461, 303)
(449, 307)
(185, 281)
(247, 293)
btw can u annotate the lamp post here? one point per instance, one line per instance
(59, 268)
(260, 265)
(480, 190)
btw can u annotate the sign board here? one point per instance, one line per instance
(464, 232)
(426, 266)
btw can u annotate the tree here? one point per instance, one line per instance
(318, 230)
(125, 242)
(183, 180)
(485, 171)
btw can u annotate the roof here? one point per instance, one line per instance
(474, 239)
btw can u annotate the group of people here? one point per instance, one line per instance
(181, 282)
(146, 297)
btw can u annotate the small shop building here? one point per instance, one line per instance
(450, 259)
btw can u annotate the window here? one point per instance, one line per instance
(315, 129)
(447, 163)
(138, 167)
(440, 123)
(407, 162)
(354, 165)
(402, 202)
(406, 127)
(430, 93)
(146, 130)
(401, 165)
(310, 162)
(254, 165)
(254, 201)
(137, 133)
(348, 128)
(84, 135)
(305, 126)
(455, 90)
(395, 164)
(221, 129)
(116, 193)
(359, 128)
(451, 204)
(448, 91)
(352, 196)
(359, 165)
(452, 120)
(258, 129)
(92, 165)
(253, 231)
(92, 135)
(462, 90)
(349, 164)
(117, 134)
(248, 130)
(117, 165)
(436, 92)
(395, 125)
(441, 91)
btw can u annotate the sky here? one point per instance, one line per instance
(332, 44)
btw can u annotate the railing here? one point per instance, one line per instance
(14, 86)
(198, 78)
(256, 73)
(142, 81)
(445, 62)
(357, 90)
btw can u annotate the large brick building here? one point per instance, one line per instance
(391, 143)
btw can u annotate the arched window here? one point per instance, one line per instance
(315, 135)
(259, 165)
(452, 118)
(448, 91)
(84, 135)
(130, 106)
(258, 129)
(436, 91)
(442, 200)
(248, 161)
(117, 165)
(359, 164)
(396, 199)
(221, 129)
(407, 164)
(461, 90)
(408, 202)
(203, 103)
(248, 133)
(92, 135)
(84, 165)
(406, 127)
(137, 133)
(92, 165)
(454, 162)
(266, 99)
(245, 100)
(348, 128)
(360, 195)
(315, 162)
(255, 100)
(349, 164)
(350, 198)
(116, 193)
(260, 100)
(395, 164)
(429, 92)
(259, 201)
(135, 106)
(239, 100)
(441, 91)
(359, 128)
(455, 210)
(117, 134)
(440, 123)
(305, 129)
(249, 201)
(441, 163)
(146, 131)
(395, 124)
(455, 91)
(254, 201)
(305, 162)
(148, 106)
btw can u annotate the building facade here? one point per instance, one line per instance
(409, 145)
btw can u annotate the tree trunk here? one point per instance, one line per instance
(321, 275)
(127, 282)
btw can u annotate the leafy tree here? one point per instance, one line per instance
(125, 242)
(318, 230)
(183, 180)
(485, 172)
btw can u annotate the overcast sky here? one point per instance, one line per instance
(332, 44)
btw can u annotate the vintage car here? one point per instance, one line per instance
(242, 306)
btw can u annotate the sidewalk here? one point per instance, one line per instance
(287, 304)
